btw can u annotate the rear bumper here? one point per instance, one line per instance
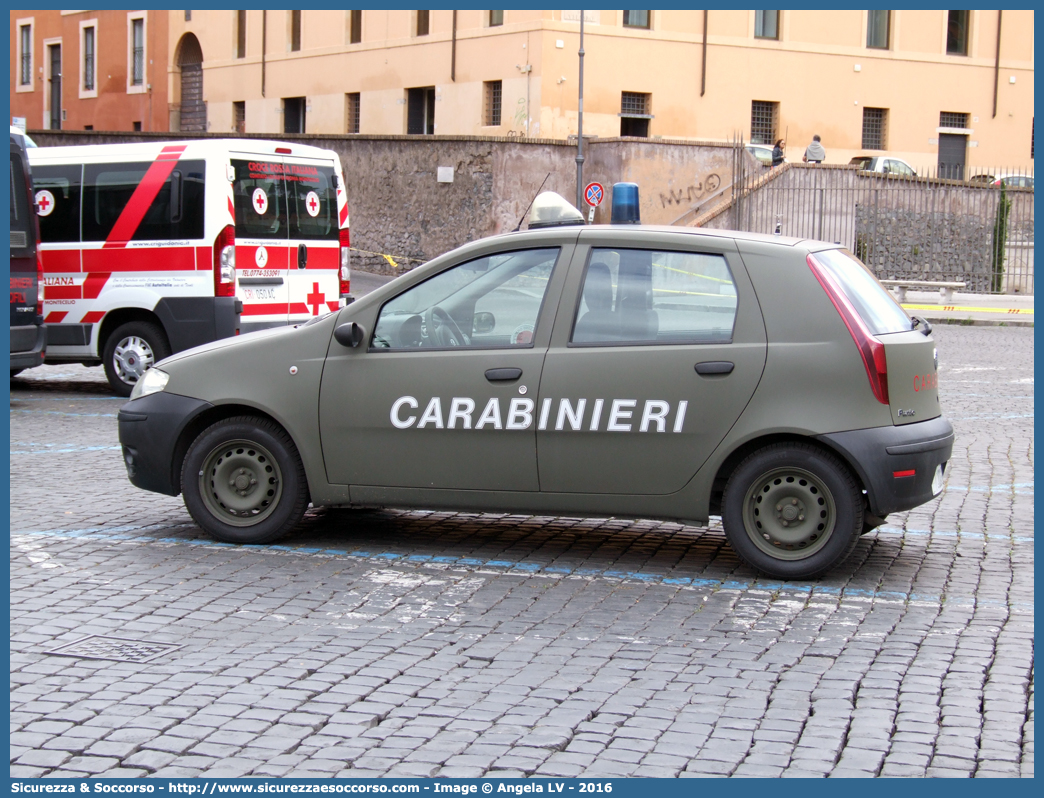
(27, 346)
(149, 431)
(884, 457)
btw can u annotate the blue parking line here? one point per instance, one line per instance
(810, 590)
(63, 413)
(46, 448)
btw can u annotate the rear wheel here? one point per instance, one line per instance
(792, 511)
(130, 351)
(243, 481)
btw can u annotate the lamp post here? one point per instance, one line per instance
(580, 123)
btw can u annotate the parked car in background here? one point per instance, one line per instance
(763, 152)
(1015, 181)
(885, 164)
(26, 268)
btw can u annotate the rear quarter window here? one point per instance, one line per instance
(60, 221)
(878, 308)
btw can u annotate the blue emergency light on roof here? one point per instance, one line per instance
(625, 204)
(553, 210)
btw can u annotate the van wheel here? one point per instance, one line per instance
(243, 481)
(792, 511)
(130, 351)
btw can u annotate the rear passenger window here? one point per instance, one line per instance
(60, 205)
(312, 202)
(260, 200)
(637, 296)
(118, 205)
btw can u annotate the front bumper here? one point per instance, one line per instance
(897, 464)
(150, 429)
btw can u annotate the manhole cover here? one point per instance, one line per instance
(118, 648)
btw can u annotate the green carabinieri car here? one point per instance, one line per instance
(616, 370)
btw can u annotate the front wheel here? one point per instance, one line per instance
(243, 481)
(792, 511)
(130, 351)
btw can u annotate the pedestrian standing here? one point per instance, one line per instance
(814, 152)
(777, 152)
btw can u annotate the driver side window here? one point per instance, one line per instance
(488, 303)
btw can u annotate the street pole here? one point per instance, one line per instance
(580, 123)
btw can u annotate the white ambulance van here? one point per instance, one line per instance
(152, 248)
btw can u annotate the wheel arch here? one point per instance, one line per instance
(741, 452)
(119, 316)
(208, 417)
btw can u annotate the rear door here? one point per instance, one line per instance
(262, 240)
(314, 248)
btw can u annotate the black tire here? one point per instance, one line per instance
(792, 511)
(129, 351)
(243, 481)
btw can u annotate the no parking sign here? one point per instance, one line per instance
(594, 194)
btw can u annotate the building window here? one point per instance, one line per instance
(188, 16)
(494, 90)
(634, 114)
(239, 117)
(953, 119)
(957, 32)
(88, 58)
(766, 24)
(25, 44)
(137, 52)
(241, 34)
(877, 25)
(496, 18)
(136, 126)
(874, 128)
(423, 22)
(295, 31)
(352, 112)
(764, 118)
(636, 19)
(293, 114)
(420, 111)
(354, 27)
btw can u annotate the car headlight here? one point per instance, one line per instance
(152, 381)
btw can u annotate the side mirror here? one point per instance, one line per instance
(484, 322)
(349, 334)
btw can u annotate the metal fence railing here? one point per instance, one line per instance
(978, 231)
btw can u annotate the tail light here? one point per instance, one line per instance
(346, 272)
(39, 282)
(225, 262)
(871, 350)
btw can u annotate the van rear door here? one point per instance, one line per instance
(262, 240)
(311, 188)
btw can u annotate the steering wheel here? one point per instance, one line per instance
(441, 329)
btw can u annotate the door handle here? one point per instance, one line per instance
(715, 367)
(503, 375)
(302, 255)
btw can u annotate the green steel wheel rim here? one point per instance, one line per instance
(240, 483)
(789, 513)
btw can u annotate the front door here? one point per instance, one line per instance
(262, 240)
(953, 150)
(55, 51)
(314, 245)
(441, 395)
(653, 358)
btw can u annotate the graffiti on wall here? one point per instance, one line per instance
(691, 193)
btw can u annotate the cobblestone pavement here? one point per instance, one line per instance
(421, 644)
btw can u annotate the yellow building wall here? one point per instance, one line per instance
(819, 71)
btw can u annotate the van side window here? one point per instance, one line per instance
(174, 211)
(312, 201)
(59, 223)
(260, 201)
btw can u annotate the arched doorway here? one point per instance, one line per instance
(190, 61)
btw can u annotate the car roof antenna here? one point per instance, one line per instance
(530, 205)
